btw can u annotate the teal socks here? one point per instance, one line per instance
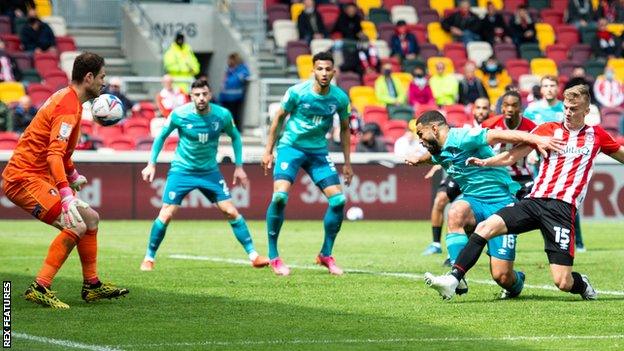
(156, 237)
(455, 243)
(274, 220)
(239, 227)
(332, 222)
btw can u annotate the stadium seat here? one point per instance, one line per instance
(505, 52)
(55, 79)
(526, 82)
(304, 66)
(552, 17)
(420, 31)
(329, 13)
(171, 144)
(361, 91)
(427, 15)
(404, 13)
(320, 45)
(366, 5)
(295, 48)
(428, 50)
(479, 51)
(394, 61)
(347, 80)
(295, 10)
(284, 31)
(45, 62)
(455, 51)
(499, 4)
(144, 144)
(67, 61)
(375, 114)
(618, 67)
(277, 12)
(408, 65)
(394, 129)
(11, 91)
(448, 64)
(148, 109)
(120, 143)
(57, 24)
(31, 76)
(538, 4)
(400, 112)
(43, 7)
(64, 44)
(512, 5)
(441, 5)
(565, 67)
(417, 4)
(557, 52)
(383, 49)
(369, 79)
(594, 67)
(38, 93)
(5, 25)
(137, 128)
(567, 35)
(369, 29)
(23, 60)
(457, 118)
(8, 140)
(588, 33)
(611, 121)
(437, 35)
(87, 127)
(404, 77)
(385, 31)
(11, 42)
(560, 5)
(616, 28)
(545, 35)
(517, 67)
(109, 132)
(582, 52)
(529, 51)
(390, 4)
(379, 15)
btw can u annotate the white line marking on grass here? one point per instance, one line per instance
(381, 341)
(64, 343)
(412, 276)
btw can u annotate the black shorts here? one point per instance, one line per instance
(450, 187)
(526, 184)
(554, 218)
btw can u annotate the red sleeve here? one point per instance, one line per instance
(608, 145)
(545, 129)
(63, 128)
(527, 125)
(491, 122)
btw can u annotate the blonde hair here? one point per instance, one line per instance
(576, 92)
(549, 77)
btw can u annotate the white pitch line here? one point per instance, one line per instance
(381, 341)
(64, 343)
(413, 276)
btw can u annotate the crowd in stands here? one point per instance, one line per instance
(395, 56)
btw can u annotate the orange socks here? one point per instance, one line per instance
(87, 249)
(59, 249)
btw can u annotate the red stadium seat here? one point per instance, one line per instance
(427, 15)
(170, 144)
(8, 140)
(557, 52)
(560, 5)
(87, 127)
(428, 50)
(505, 52)
(39, 93)
(23, 60)
(565, 67)
(457, 118)
(375, 114)
(147, 109)
(394, 129)
(55, 79)
(394, 61)
(137, 128)
(120, 143)
(109, 132)
(12, 42)
(419, 30)
(388, 4)
(144, 144)
(5, 25)
(385, 31)
(276, 12)
(45, 62)
(66, 43)
(454, 108)
(517, 67)
(457, 53)
(512, 5)
(369, 79)
(552, 17)
(418, 5)
(567, 35)
(346, 80)
(295, 48)
(329, 13)
(582, 52)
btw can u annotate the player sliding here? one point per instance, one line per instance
(551, 206)
(311, 105)
(41, 179)
(484, 191)
(199, 124)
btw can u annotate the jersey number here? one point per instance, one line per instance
(226, 191)
(509, 242)
(562, 237)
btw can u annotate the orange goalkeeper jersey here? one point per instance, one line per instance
(45, 148)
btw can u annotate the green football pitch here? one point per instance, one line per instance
(203, 294)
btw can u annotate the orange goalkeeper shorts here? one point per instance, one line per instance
(36, 196)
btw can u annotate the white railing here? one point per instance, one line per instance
(248, 17)
(89, 13)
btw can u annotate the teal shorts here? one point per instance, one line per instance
(317, 164)
(180, 183)
(502, 247)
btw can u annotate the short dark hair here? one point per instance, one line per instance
(200, 83)
(85, 63)
(323, 56)
(431, 117)
(513, 93)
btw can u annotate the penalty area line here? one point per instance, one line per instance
(412, 276)
(64, 343)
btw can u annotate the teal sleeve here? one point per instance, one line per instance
(160, 139)
(237, 142)
(289, 101)
(344, 110)
(472, 138)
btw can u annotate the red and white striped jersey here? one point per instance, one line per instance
(520, 168)
(565, 175)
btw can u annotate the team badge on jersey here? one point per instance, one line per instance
(64, 131)
(284, 166)
(215, 126)
(172, 195)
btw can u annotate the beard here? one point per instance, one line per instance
(433, 147)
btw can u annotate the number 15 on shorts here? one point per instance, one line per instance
(562, 237)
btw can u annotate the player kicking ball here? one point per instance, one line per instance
(559, 189)
(311, 105)
(194, 166)
(41, 179)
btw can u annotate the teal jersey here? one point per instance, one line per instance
(199, 137)
(541, 112)
(489, 184)
(311, 115)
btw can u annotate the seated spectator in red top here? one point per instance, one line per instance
(419, 91)
(604, 45)
(23, 114)
(403, 43)
(170, 96)
(37, 36)
(310, 23)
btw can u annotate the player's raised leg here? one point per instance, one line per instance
(575, 283)
(274, 221)
(505, 276)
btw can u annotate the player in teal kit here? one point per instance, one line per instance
(312, 106)
(483, 193)
(194, 166)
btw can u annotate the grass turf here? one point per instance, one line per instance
(197, 304)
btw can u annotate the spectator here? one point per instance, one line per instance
(9, 71)
(361, 59)
(403, 44)
(23, 114)
(232, 94)
(5, 117)
(549, 108)
(16, 8)
(579, 12)
(371, 140)
(493, 26)
(310, 23)
(604, 45)
(348, 23)
(522, 28)
(408, 145)
(180, 62)
(114, 88)
(389, 89)
(577, 77)
(608, 90)
(37, 36)
(463, 25)
(169, 96)
(419, 91)
(534, 95)
(493, 69)
(444, 86)
(610, 10)
(470, 88)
